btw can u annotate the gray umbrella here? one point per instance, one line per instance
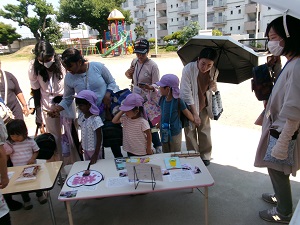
(235, 61)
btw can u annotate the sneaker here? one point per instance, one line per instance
(158, 150)
(42, 199)
(28, 205)
(206, 162)
(271, 215)
(269, 198)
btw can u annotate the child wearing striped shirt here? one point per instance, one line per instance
(136, 129)
(22, 150)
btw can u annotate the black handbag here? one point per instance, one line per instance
(47, 145)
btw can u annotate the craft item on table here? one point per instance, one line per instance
(165, 172)
(68, 194)
(29, 173)
(87, 172)
(186, 166)
(185, 155)
(144, 171)
(123, 174)
(120, 163)
(196, 170)
(138, 160)
(77, 179)
(172, 163)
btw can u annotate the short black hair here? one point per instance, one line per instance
(208, 53)
(81, 101)
(292, 43)
(72, 55)
(16, 127)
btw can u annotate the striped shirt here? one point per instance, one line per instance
(134, 138)
(21, 152)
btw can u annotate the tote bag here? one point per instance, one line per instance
(152, 108)
(217, 107)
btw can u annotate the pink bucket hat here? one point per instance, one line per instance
(172, 81)
(91, 97)
(131, 101)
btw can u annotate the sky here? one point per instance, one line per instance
(24, 31)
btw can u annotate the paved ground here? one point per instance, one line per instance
(233, 200)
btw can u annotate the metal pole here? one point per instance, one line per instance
(257, 19)
(155, 27)
(205, 15)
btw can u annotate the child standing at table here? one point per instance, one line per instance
(136, 129)
(171, 106)
(90, 123)
(22, 150)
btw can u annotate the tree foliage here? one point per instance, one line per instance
(139, 31)
(8, 34)
(189, 31)
(52, 33)
(19, 13)
(217, 33)
(93, 13)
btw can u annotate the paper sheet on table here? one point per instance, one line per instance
(113, 182)
(181, 175)
(10, 174)
(144, 171)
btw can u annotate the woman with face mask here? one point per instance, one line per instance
(46, 75)
(281, 121)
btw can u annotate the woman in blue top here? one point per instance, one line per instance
(84, 75)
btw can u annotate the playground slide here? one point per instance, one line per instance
(117, 44)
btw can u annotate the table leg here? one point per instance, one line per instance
(51, 207)
(69, 213)
(206, 204)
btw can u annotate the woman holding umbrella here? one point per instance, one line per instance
(279, 146)
(197, 83)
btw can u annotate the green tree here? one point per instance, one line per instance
(93, 13)
(19, 13)
(8, 35)
(217, 33)
(52, 33)
(189, 32)
(139, 31)
(176, 36)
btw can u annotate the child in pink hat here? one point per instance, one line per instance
(171, 107)
(136, 129)
(90, 123)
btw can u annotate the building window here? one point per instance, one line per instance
(269, 8)
(210, 17)
(177, 19)
(194, 4)
(176, 5)
(136, 14)
(171, 6)
(230, 28)
(150, 22)
(231, 12)
(149, 10)
(239, 27)
(240, 11)
(194, 18)
(172, 20)
(220, 14)
(210, 2)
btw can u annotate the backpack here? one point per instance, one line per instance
(262, 82)
(47, 145)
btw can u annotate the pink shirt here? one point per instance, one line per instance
(134, 138)
(21, 152)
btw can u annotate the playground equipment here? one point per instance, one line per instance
(117, 38)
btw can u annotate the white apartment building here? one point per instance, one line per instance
(231, 17)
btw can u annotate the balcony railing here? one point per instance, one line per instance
(220, 20)
(219, 4)
(184, 10)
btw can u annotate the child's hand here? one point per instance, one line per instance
(149, 151)
(31, 161)
(94, 158)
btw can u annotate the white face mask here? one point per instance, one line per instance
(47, 64)
(275, 48)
